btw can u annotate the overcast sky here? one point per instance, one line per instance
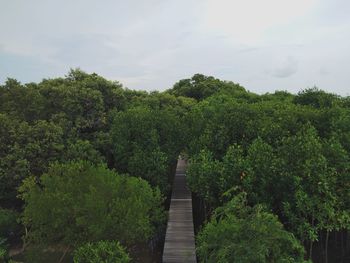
(265, 45)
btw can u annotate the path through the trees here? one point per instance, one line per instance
(179, 240)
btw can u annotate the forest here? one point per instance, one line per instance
(86, 168)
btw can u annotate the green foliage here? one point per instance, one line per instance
(26, 149)
(239, 233)
(40, 253)
(111, 91)
(261, 177)
(55, 120)
(101, 252)
(151, 166)
(298, 178)
(42, 144)
(288, 152)
(79, 202)
(204, 177)
(82, 150)
(316, 98)
(83, 106)
(24, 102)
(310, 179)
(146, 143)
(200, 87)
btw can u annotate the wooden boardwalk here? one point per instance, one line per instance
(179, 244)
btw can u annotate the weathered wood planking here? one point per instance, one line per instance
(179, 244)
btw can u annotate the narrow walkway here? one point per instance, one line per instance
(179, 244)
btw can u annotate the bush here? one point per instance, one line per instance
(102, 251)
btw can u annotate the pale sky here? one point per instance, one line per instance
(265, 45)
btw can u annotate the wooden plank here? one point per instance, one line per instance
(179, 244)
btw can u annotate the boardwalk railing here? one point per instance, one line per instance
(179, 244)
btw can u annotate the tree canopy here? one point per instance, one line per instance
(77, 202)
(239, 233)
(94, 161)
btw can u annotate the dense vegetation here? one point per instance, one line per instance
(239, 233)
(90, 203)
(289, 153)
(82, 160)
(86, 168)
